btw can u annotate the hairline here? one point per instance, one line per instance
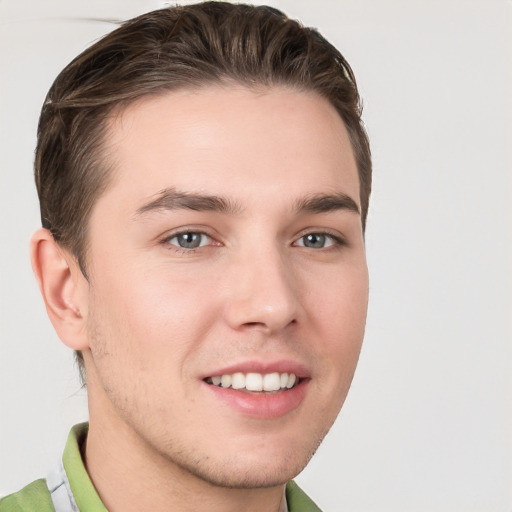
(115, 110)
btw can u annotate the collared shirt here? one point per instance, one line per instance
(69, 484)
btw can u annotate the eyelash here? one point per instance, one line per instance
(184, 250)
(336, 240)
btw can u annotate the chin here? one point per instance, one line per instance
(249, 469)
(243, 477)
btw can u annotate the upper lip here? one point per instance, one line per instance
(263, 367)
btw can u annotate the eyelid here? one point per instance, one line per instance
(200, 230)
(208, 237)
(337, 238)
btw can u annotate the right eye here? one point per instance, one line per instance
(189, 240)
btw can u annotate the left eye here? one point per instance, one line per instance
(315, 241)
(189, 240)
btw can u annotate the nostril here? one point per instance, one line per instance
(266, 326)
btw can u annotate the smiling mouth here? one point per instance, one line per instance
(255, 382)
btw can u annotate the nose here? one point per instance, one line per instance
(262, 293)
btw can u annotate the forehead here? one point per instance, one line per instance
(231, 140)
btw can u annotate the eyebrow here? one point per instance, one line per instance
(172, 199)
(325, 203)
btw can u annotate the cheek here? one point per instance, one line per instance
(141, 316)
(342, 301)
(338, 315)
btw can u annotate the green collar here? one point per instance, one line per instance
(298, 500)
(84, 492)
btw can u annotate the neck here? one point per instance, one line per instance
(130, 475)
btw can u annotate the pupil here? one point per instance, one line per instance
(190, 240)
(315, 240)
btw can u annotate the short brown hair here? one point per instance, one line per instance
(169, 49)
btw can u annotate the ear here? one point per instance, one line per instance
(63, 287)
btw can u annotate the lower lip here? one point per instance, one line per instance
(262, 405)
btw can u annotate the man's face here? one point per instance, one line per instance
(227, 247)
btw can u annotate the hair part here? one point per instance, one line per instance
(174, 48)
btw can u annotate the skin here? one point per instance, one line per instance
(154, 318)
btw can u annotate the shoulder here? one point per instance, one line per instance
(298, 500)
(35, 497)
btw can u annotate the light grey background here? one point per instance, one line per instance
(428, 423)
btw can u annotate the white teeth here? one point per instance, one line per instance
(271, 382)
(291, 380)
(238, 381)
(225, 381)
(255, 381)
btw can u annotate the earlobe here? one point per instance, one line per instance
(63, 287)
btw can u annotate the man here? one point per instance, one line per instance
(204, 177)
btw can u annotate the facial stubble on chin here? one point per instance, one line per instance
(264, 476)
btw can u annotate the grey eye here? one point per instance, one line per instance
(190, 240)
(315, 241)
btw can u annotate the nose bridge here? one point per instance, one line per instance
(263, 291)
